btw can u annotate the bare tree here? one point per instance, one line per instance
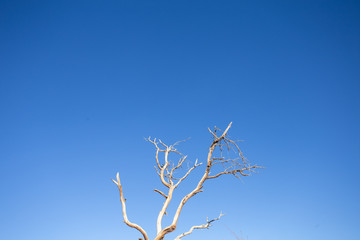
(221, 152)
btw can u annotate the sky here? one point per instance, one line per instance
(83, 82)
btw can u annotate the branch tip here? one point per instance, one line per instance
(118, 178)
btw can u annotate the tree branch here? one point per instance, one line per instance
(188, 172)
(163, 167)
(241, 171)
(163, 209)
(161, 193)
(126, 220)
(203, 226)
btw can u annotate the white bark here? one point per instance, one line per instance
(203, 226)
(126, 220)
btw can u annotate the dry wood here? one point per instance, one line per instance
(237, 166)
(203, 226)
(126, 220)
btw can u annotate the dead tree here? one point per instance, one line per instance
(221, 144)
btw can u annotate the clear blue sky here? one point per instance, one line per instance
(82, 82)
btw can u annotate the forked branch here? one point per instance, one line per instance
(235, 166)
(223, 152)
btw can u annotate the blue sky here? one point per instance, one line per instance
(83, 82)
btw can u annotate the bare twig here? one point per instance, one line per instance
(203, 226)
(161, 193)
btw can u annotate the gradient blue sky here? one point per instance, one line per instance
(82, 82)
